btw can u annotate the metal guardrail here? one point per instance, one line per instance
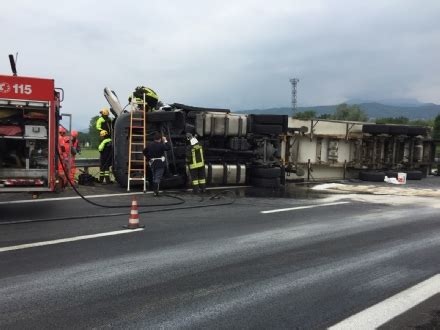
(87, 162)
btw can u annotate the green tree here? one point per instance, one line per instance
(349, 112)
(93, 133)
(305, 115)
(83, 138)
(436, 131)
(325, 116)
(393, 120)
(422, 122)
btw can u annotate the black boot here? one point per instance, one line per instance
(107, 180)
(196, 190)
(156, 189)
(101, 179)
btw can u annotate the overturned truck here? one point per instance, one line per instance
(265, 150)
(327, 149)
(238, 149)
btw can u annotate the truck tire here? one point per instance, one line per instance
(371, 176)
(391, 174)
(263, 172)
(414, 131)
(375, 129)
(398, 130)
(414, 175)
(265, 182)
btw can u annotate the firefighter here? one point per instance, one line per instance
(104, 122)
(151, 98)
(105, 158)
(74, 150)
(155, 154)
(62, 155)
(196, 164)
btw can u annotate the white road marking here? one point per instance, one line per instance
(303, 207)
(65, 240)
(381, 313)
(100, 196)
(69, 198)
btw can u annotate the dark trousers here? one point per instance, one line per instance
(105, 160)
(157, 171)
(198, 178)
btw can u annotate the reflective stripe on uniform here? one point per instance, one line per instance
(104, 143)
(196, 157)
(101, 121)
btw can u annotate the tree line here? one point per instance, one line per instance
(91, 137)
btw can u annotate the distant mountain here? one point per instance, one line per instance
(373, 110)
(401, 102)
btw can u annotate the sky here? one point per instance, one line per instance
(237, 54)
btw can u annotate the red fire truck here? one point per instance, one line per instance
(29, 117)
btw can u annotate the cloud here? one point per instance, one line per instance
(236, 54)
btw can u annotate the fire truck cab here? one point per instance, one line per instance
(29, 115)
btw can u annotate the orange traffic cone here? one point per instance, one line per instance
(133, 220)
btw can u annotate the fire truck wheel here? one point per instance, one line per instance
(266, 182)
(58, 187)
(372, 176)
(262, 172)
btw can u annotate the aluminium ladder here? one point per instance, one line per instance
(137, 163)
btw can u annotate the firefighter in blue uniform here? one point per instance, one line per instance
(196, 164)
(105, 157)
(155, 153)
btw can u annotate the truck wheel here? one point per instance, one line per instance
(414, 175)
(391, 174)
(414, 131)
(262, 172)
(398, 130)
(371, 176)
(265, 182)
(375, 129)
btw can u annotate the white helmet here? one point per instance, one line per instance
(193, 141)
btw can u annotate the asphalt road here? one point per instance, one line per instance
(227, 266)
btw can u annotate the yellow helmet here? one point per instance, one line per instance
(103, 133)
(104, 112)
